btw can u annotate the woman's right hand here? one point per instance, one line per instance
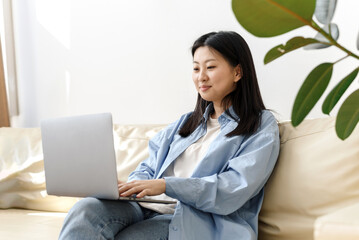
(142, 188)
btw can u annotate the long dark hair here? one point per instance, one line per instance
(246, 99)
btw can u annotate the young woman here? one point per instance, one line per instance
(214, 161)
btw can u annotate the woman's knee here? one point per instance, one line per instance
(97, 208)
(102, 217)
(86, 205)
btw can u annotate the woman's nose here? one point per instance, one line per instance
(202, 76)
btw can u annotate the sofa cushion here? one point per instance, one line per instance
(131, 145)
(342, 224)
(22, 177)
(316, 174)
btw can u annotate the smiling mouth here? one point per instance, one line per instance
(204, 88)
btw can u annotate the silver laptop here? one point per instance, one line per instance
(80, 159)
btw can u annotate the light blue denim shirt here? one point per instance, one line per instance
(223, 197)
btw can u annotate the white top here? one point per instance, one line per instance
(185, 164)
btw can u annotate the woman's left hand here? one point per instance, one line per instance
(142, 188)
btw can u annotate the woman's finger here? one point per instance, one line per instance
(142, 188)
(125, 187)
(131, 191)
(142, 193)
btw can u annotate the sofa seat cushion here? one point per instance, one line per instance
(342, 224)
(30, 225)
(316, 174)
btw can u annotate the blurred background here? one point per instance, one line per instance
(132, 58)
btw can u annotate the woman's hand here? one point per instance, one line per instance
(142, 188)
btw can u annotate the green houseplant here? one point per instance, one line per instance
(268, 18)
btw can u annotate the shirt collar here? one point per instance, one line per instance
(209, 109)
(232, 116)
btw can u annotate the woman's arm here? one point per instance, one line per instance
(158, 148)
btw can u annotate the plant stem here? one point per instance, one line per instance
(315, 26)
(341, 59)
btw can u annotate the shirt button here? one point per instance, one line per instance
(174, 228)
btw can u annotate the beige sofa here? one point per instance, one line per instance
(313, 192)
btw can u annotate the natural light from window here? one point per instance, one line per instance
(55, 17)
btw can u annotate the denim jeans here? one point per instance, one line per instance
(93, 218)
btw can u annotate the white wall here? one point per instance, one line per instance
(132, 58)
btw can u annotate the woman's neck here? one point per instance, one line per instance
(218, 110)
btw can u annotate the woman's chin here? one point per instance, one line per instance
(206, 97)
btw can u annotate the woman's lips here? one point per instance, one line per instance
(204, 88)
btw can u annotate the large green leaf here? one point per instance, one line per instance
(291, 45)
(348, 116)
(310, 92)
(268, 18)
(337, 92)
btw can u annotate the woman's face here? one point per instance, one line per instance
(212, 75)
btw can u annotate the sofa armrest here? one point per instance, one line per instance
(342, 224)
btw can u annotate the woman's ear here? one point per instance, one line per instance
(238, 73)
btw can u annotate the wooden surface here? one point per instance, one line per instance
(4, 110)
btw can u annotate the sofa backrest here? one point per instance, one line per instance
(131, 146)
(316, 174)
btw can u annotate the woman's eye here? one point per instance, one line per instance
(195, 69)
(211, 67)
